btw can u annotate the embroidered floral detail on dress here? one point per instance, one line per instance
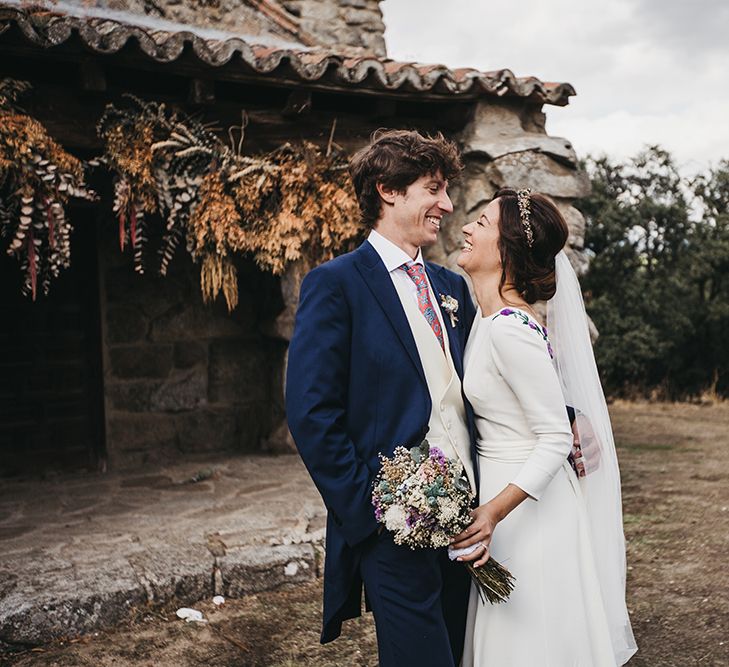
(525, 319)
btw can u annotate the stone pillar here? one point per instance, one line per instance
(506, 145)
(280, 441)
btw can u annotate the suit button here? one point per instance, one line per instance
(442, 407)
(449, 424)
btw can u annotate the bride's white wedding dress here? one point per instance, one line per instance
(555, 616)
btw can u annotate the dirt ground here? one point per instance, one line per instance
(675, 471)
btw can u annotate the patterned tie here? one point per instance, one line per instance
(417, 275)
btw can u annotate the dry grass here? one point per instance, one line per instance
(675, 463)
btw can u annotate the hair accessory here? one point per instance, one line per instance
(523, 199)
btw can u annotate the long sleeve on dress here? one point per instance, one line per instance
(521, 357)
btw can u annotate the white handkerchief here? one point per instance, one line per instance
(455, 553)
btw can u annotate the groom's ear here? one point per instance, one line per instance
(387, 194)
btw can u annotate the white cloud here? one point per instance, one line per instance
(645, 71)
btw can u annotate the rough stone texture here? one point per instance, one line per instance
(192, 320)
(234, 16)
(501, 128)
(506, 145)
(539, 172)
(575, 221)
(189, 353)
(183, 377)
(126, 324)
(139, 361)
(167, 574)
(283, 326)
(133, 396)
(252, 569)
(207, 430)
(238, 372)
(95, 546)
(139, 439)
(353, 26)
(183, 391)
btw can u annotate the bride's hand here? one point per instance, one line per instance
(480, 531)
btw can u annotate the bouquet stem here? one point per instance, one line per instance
(493, 581)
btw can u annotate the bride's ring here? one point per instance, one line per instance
(485, 548)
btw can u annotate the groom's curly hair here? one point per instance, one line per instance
(395, 159)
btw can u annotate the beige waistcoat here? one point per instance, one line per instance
(447, 425)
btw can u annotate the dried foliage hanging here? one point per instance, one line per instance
(294, 203)
(37, 178)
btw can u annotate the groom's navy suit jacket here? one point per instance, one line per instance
(355, 388)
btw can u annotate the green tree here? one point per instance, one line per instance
(657, 286)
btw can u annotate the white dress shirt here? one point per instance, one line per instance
(393, 257)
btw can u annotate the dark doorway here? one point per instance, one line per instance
(51, 391)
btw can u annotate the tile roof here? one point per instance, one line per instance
(271, 56)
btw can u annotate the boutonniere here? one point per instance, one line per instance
(450, 305)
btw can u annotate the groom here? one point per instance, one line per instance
(375, 362)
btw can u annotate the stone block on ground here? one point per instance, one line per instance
(184, 573)
(252, 524)
(253, 569)
(63, 602)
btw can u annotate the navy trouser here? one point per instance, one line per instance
(419, 600)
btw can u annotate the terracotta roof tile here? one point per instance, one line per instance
(107, 36)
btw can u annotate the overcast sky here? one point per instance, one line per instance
(645, 71)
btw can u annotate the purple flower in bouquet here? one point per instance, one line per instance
(423, 498)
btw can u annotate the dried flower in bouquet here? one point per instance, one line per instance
(37, 178)
(424, 499)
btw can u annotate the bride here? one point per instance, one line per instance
(552, 511)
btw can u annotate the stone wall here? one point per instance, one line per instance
(506, 145)
(348, 26)
(351, 26)
(181, 377)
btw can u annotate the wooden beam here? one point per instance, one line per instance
(92, 77)
(297, 104)
(385, 108)
(202, 91)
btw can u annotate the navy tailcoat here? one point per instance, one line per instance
(355, 388)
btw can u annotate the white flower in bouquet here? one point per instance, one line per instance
(423, 498)
(416, 499)
(396, 519)
(448, 511)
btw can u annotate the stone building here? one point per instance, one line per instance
(119, 370)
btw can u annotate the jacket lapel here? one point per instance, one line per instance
(440, 286)
(378, 280)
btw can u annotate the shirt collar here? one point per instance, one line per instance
(392, 256)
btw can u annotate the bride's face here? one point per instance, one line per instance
(480, 251)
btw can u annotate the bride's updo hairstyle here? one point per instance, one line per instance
(530, 236)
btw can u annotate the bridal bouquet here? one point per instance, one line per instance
(424, 499)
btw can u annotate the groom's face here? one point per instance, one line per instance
(419, 210)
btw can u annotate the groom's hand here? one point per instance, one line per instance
(478, 533)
